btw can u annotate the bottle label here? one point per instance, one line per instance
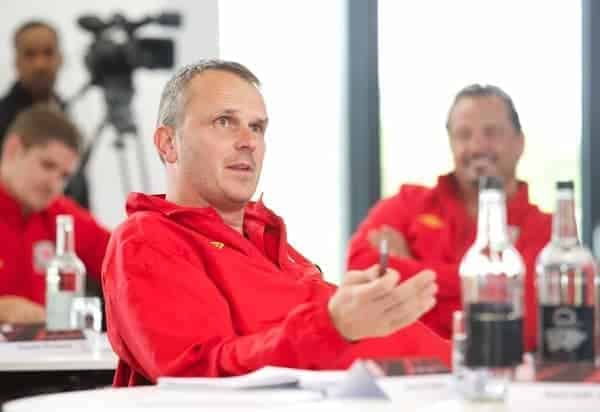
(494, 336)
(67, 282)
(58, 311)
(567, 333)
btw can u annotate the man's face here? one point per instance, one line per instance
(37, 175)
(483, 140)
(220, 144)
(38, 60)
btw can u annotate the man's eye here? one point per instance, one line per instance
(463, 135)
(258, 128)
(223, 121)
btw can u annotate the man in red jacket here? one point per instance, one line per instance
(433, 228)
(39, 153)
(202, 282)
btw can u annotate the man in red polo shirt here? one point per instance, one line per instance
(433, 227)
(39, 153)
(202, 282)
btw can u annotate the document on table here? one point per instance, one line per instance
(266, 377)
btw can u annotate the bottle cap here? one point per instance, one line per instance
(565, 185)
(490, 182)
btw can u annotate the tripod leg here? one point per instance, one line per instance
(141, 155)
(123, 169)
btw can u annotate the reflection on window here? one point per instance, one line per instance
(431, 49)
(295, 48)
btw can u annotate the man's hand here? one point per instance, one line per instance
(366, 305)
(15, 309)
(397, 243)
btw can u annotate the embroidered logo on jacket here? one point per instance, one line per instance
(218, 245)
(430, 220)
(43, 252)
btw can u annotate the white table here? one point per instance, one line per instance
(359, 405)
(175, 400)
(34, 367)
(160, 399)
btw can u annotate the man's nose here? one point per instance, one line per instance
(479, 143)
(246, 138)
(41, 61)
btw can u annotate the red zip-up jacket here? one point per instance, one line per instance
(438, 232)
(28, 245)
(187, 295)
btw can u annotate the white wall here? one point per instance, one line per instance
(298, 51)
(197, 38)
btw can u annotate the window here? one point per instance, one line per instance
(430, 49)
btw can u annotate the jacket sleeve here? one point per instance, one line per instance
(398, 212)
(535, 234)
(167, 317)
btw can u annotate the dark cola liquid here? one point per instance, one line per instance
(494, 336)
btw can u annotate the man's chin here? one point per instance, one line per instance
(41, 91)
(39, 204)
(240, 199)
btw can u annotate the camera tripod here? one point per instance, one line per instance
(118, 95)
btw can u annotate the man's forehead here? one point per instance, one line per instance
(34, 36)
(53, 147)
(481, 109)
(223, 91)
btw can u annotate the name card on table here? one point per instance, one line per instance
(417, 389)
(43, 347)
(546, 396)
(558, 387)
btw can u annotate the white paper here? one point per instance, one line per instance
(269, 376)
(262, 378)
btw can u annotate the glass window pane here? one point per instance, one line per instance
(431, 49)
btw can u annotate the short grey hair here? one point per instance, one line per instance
(478, 90)
(172, 98)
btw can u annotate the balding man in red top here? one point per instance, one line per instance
(203, 282)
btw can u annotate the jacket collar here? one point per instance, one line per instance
(207, 221)
(515, 205)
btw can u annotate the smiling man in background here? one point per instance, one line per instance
(433, 227)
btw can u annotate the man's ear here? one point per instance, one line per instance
(521, 147)
(13, 145)
(164, 140)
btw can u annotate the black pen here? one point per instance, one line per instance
(384, 252)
